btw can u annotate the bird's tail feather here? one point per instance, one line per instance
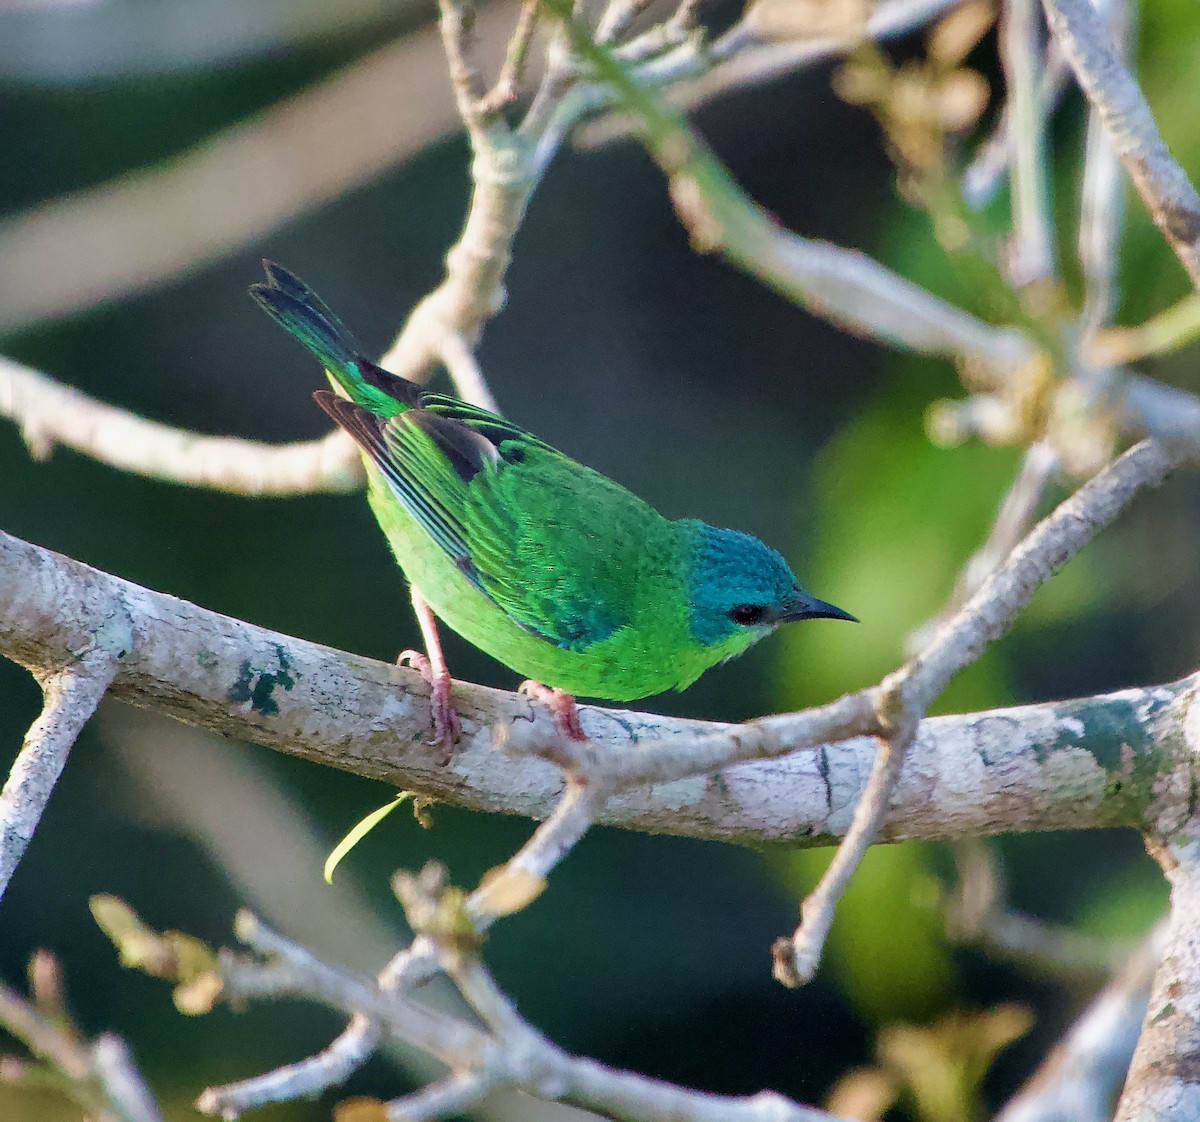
(303, 314)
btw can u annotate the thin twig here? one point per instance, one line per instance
(457, 25)
(987, 171)
(978, 913)
(904, 697)
(102, 1076)
(330, 1067)
(447, 1099)
(1030, 251)
(740, 59)
(1111, 89)
(796, 959)
(1102, 201)
(617, 19)
(1015, 515)
(508, 165)
(845, 287)
(1059, 536)
(70, 698)
(1176, 327)
(550, 843)
(504, 91)
(118, 1075)
(42, 1036)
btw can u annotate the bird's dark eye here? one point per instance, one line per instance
(747, 614)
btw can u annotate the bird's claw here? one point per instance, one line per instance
(447, 727)
(562, 705)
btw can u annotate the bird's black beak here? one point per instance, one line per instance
(804, 606)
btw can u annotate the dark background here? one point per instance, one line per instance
(680, 378)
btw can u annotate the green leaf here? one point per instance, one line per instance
(360, 831)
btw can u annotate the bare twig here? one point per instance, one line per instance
(509, 1052)
(1031, 251)
(330, 1067)
(50, 414)
(508, 164)
(990, 612)
(986, 172)
(1078, 1079)
(118, 1075)
(1102, 201)
(1176, 327)
(1110, 88)
(741, 59)
(42, 1036)
(978, 913)
(71, 696)
(457, 24)
(618, 18)
(523, 875)
(1013, 519)
(796, 959)
(450, 1098)
(1149, 407)
(847, 288)
(102, 1076)
(622, 1094)
(903, 698)
(504, 91)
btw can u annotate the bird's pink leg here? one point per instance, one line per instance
(562, 705)
(432, 667)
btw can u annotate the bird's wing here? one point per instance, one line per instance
(460, 472)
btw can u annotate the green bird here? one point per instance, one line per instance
(551, 568)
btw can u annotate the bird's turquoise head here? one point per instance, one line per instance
(740, 590)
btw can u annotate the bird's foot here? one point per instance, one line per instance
(562, 705)
(443, 717)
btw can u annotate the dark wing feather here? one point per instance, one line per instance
(468, 450)
(502, 434)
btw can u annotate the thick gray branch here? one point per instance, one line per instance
(1163, 1084)
(1064, 765)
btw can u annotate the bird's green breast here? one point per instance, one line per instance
(586, 550)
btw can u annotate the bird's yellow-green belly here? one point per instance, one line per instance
(623, 667)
